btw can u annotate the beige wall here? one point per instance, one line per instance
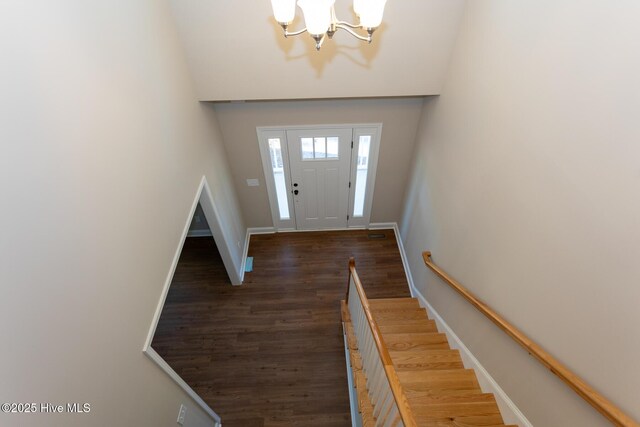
(399, 116)
(100, 131)
(237, 51)
(525, 187)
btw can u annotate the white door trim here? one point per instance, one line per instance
(374, 129)
(205, 198)
(263, 140)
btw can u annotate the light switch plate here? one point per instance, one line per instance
(253, 182)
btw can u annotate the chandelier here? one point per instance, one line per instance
(321, 21)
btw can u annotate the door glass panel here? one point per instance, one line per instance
(362, 165)
(275, 152)
(307, 148)
(320, 148)
(332, 147)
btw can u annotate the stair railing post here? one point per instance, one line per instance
(352, 264)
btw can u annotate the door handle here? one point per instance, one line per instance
(295, 192)
(295, 184)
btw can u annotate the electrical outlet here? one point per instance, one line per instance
(253, 182)
(182, 414)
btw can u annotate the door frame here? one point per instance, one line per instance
(265, 132)
(205, 198)
(375, 130)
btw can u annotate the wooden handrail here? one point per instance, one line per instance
(401, 399)
(599, 402)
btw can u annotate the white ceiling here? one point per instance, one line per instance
(237, 52)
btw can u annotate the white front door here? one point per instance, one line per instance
(320, 161)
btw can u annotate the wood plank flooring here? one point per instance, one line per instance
(270, 352)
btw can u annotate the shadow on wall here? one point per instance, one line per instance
(330, 48)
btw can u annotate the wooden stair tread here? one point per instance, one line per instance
(458, 379)
(440, 392)
(426, 359)
(471, 404)
(390, 303)
(412, 313)
(399, 320)
(406, 326)
(470, 421)
(416, 341)
(427, 393)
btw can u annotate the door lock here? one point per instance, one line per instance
(295, 192)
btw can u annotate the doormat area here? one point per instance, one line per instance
(248, 266)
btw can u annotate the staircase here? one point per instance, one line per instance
(439, 390)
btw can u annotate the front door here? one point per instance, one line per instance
(320, 161)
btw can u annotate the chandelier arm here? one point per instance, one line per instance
(353, 33)
(348, 24)
(294, 33)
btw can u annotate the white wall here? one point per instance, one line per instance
(525, 187)
(100, 132)
(399, 118)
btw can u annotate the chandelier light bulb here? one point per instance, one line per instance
(370, 12)
(358, 6)
(284, 10)
(317, 15)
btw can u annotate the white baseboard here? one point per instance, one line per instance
(293, 230)
(247, 238)
(245, 251)
(261, 230)
(153, 355)
(382, 225)
(510, 412)
(405, 260)
(200, 233)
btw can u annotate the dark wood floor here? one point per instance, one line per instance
(270, 352)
